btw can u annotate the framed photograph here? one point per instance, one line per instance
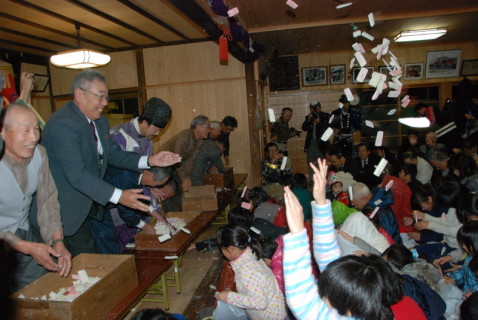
(314, 76)
(337, 74)
(355, 72)
(443, 64)
(383, 70)
(413, 71)
(40, 82)
(469, 68)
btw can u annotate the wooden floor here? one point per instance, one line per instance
(197, 272)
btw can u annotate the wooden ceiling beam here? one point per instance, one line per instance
(74, 22)
(380, 17)
(40, 26)
(29, 46)
(151, 17)
(27, 35)
(114, 20)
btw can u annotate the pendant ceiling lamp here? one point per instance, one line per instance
(80, 58)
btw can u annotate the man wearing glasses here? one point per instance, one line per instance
(79, 146)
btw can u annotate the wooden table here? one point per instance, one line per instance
(150, 265)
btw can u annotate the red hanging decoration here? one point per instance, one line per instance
(223, 49)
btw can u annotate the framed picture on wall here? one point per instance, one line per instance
(40, 82)
(443, 64)
(355, 72)
(413, 71)
(337, 74)
(314, 76)
(383, 70)
(469, 68)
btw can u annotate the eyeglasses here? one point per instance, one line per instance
(101, 97)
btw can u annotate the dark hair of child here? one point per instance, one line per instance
(240, 217)
(467, 237)
(368, 283)
(464, 163)
(398, 255)
(467, 206)
(300, 181)
(450, 193)
(469, 308)
(421, 195)
(236, 236)
(269, 247)
(409, 169)
(258, 195)
(153, 314)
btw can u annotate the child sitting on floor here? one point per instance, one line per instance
(336, 186)
(258, 294)
(465, 278)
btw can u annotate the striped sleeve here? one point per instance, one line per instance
(326, 248)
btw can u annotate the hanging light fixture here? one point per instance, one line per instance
(80, 58)
(419, 35)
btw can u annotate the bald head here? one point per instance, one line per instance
(20, 131)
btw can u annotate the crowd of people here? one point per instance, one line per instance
(396, 243)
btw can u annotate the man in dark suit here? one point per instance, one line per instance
(364, 164)
(78, 144)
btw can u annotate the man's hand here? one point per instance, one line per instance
(408, 221)
(213, 170)
(320, 180)
(448, 280)
(130, 198)
(164, 159)
(164, 193)
(64, 260)
(148, 229)
(293, 211)
(186, 184)
(40, 252)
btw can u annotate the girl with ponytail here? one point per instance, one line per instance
(258, 294)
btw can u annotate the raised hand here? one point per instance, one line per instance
(293, 211)
(320, 180)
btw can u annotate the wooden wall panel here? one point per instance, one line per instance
(120, 73)
(188, 63)
(191, 80)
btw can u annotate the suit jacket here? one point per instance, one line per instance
(362, 174)
(73, 155)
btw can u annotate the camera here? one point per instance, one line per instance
(295, 132)
(315, 115)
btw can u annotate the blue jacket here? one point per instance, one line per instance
(384, 199)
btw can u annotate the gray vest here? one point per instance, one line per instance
(14, 205)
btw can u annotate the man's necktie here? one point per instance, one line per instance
(93, 131)
(100, 156)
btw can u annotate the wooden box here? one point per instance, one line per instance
(118, 279)
(221, 180)
(200, 198)
(195, 221)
